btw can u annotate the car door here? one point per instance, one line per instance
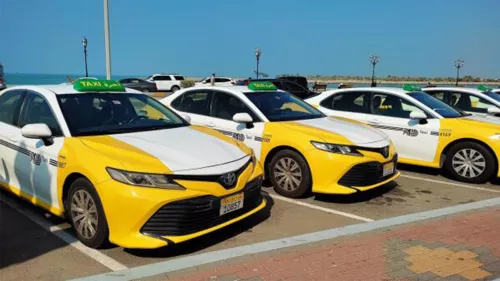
(40, 167)
(163, 82)
(196, 104)
(413, 139)
(224, 106)
(353, 105)
(11, 155)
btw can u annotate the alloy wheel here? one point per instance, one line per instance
(84, 214)
(288, 174)
(468, 163)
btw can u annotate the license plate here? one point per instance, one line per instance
(231, 203)
(388, 169)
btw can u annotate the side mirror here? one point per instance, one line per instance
(38, 131)
(493, 110)
(187, 118)
(418, 115)
(242, 118)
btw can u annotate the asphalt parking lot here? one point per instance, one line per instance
(37, 246)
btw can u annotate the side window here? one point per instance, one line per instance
(227, 105)
(470, 103)
(10, 105)
(37, 110)
(350, 101)
(438, 95)
(196, 102)
(392, 106)
(292, 87)
(178, 78)
(162, 78)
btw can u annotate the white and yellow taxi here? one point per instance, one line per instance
(299, 146)
(425, 130)
(121, 166)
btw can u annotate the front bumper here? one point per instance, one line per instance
(342, 174)
(149, 218)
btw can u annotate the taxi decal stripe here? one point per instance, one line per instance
(31, 154)
(15, 147)
(387, 127)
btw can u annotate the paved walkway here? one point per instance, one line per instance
(465, 246)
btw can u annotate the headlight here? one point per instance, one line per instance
(336, 148)
(142, 179)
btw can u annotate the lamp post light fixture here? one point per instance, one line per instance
(258, 52)
(458, 64)
(373, 60)
(84, 43)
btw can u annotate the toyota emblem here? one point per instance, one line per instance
(228, 179)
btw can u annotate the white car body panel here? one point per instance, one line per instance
(412, 140)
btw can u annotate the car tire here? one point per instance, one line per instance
(289, 173)
(175, 89)
(84, 200)
(464, 157)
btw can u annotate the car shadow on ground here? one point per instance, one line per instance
(359, 197)
(210, 239)
(435, 172)
(21, 239)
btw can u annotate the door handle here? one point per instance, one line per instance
(374, 122)
(209, 124)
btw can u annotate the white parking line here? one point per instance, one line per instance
(327, 210)
(58, 230)
(451, 183)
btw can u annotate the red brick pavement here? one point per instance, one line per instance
(459, 247)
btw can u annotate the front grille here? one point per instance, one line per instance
(384, 151)
(196, 214)
(366, 174)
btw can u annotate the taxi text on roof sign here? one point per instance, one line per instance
(261, 86)
(411, 88)
(90, 85)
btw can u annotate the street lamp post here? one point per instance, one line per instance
(107, 41)
(258, 52)
(373, 60)
(458, 64)
(84, 43)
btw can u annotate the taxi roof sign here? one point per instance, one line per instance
(92, 85)
(411, 88)
(262, 86)
(483, 88)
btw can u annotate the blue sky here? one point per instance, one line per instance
(195, 37)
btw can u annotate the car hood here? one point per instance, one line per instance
(332, 129)
(186, 150)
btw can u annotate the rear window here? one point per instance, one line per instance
(177, 77)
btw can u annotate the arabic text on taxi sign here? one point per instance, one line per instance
(255, 86)
(98, 85)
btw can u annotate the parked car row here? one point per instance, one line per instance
(125, 168)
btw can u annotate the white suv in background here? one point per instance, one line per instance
(166, 82)
(219, 81)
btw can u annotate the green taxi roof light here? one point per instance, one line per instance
(483, 88)
(92, 85)
(411, 88)
(262, 86)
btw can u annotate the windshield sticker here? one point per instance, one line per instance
(116, 102)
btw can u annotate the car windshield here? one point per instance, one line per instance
(438, 106)
(493, 95)
(282, 106)
(113, 113)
